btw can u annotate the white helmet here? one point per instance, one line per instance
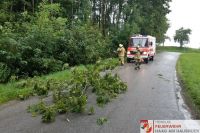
(120, 45)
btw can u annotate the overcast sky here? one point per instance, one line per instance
(186, 14)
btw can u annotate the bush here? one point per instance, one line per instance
(65, 66)
(39, 108)
(49, 114)
(103, 99)
(78, 103)
(40, 89)
(61, 107)
(51, 65)
(101, 120)
(85, 45)
(42, 43)
(91, 111)
(5, 73)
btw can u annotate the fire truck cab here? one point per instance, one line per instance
(146, 44)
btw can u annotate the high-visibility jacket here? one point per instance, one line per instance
(138, 56)
(121, 51)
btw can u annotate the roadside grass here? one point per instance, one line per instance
(176, 49)
(188, 68)
(13, 89)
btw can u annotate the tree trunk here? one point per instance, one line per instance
(100, 10)
(103, 17)
(109, 9)
(33, 6)
(11, 7)
(181, 44)
(24, 6)
(119, 13)
(94, 19)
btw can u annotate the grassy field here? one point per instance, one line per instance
(188, 67)
(177, 49)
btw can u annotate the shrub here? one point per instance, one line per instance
(102, 120)
(91, 111)
(5, 73)
(37, 108)
(40, 89)
(103, 99)
(49, 114)
(61, 107)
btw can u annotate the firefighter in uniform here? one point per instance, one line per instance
(138, 58)
(121, 53)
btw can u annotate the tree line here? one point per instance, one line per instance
(39, 36)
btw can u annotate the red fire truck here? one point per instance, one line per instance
(146, 44)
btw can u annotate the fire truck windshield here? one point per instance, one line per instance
(141, 42)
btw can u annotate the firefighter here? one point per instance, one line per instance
(121, 53)
(138, 59)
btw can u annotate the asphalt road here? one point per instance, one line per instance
(153, 94)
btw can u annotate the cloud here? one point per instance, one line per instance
(185, 13)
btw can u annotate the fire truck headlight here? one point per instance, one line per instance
(128, 52)
(144, 52)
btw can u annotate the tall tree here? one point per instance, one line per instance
(166, 38)
(182, 35)
(154, 21)
(112, 16)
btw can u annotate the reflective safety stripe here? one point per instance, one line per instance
(130, 56)
(144, 56)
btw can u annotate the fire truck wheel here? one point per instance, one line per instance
(128, 60)
(152, 58)
(146, 60)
